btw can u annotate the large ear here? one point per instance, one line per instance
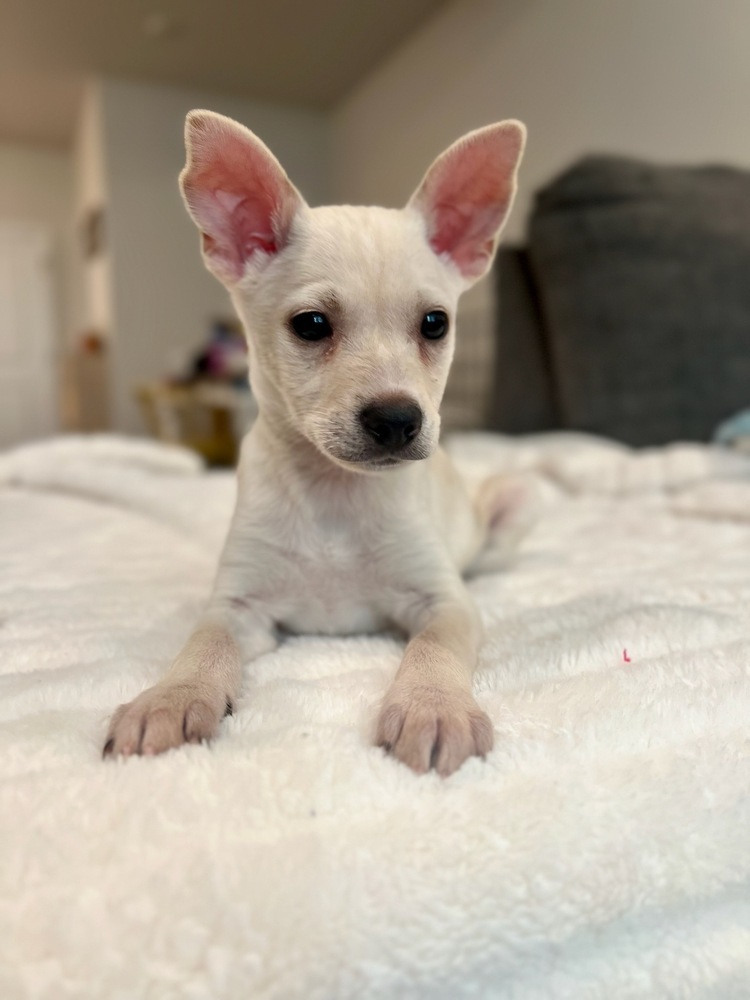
(237, 194)
(467, 194)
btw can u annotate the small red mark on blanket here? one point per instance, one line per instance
(625, 656)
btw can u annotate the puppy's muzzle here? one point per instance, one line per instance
(392, 424)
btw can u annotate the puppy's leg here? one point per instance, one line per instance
(429, 717)
(198, 690)
(506, 508)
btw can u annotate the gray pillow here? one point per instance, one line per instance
(643, 273)
(522, 396)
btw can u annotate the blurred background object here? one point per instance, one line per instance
(102, 290)
(634, 320)
(208, 405)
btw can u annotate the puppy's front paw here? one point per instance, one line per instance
(163, 717)
(436, 727)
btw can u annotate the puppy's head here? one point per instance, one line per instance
(350, 312)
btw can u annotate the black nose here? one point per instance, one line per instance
(392, 424)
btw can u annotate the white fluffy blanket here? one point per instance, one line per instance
(601, 851)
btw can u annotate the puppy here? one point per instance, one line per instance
(349, 517)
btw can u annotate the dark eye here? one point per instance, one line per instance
(434, 324)
(311, 326)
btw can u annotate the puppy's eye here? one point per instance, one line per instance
(311, 326)
(434, 324)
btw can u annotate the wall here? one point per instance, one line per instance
(663, 79)
(36, 185)
(163, 299)
(666, 80)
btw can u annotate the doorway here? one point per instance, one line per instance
(28, 382)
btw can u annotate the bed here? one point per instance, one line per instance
(602, 850)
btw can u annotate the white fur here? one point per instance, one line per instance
(330, 535)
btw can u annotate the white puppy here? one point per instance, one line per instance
(349, 516)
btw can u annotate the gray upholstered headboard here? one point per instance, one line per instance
(522, 399)
(628, 314)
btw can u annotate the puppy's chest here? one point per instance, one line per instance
(327, 581)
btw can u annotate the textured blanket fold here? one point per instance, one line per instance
(602, 850)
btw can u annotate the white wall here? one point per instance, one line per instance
(664, 79)
(36, 185)
(163, 299)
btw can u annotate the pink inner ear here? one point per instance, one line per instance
(238, 195)
(466, 234)
(249, 219)
(232, 235)
(466, 196)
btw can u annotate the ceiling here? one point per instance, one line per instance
(308, 52)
